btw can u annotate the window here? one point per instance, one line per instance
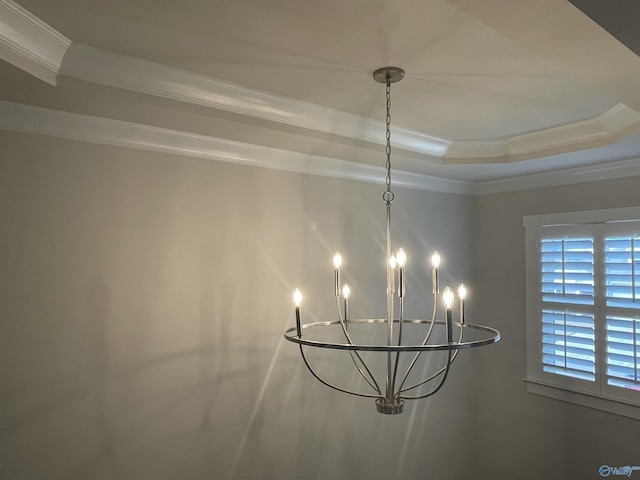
(583, 308)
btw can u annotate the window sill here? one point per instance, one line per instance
(590, 400)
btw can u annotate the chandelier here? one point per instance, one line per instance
(385, 351)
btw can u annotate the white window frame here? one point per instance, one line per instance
(598, 394)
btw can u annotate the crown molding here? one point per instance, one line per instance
(557, 178)
(607, 128)
(115, 70)
(120, 71)
(43, 121)
(30, 44)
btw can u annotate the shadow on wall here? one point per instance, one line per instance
(102, 417)
(129, 285)
(194, 413)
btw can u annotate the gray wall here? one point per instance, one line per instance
(520, 435)
(142, 303)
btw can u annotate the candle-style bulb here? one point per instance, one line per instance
(337, 263)
(297, 297)
(435, 260)
(435, 263)
(462, 291)
(346, 293)
(401, 258)
(337, 260)
(391, 275)
(447, 298)
(297, 300)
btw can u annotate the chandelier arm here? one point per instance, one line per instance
(400, 321)
(389, 386)
(439, 372)
(435, 390)
(371, 380)
(390, 282)
(374, 384)
(426, 339)
(306, 362)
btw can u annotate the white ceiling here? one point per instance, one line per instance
(494, 89)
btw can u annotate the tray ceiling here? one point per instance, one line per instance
(494, 90)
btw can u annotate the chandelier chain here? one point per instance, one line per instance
(388, 195)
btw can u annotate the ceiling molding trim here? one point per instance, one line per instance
(620, 121)
(120, 71)
(570, 176)
(477, 151)
(42, 121)
(30, 44)
(607, 128)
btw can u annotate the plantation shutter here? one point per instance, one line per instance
(583, 308)
(567, 282)
(622, 290)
